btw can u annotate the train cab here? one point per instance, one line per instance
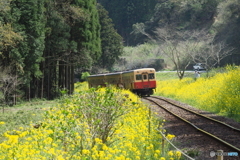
(144, 81)
(140, 81)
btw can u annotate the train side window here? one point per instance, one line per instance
(151, 76)
(144, 76)
(138, 77)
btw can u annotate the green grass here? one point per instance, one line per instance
(168, 75)
(23, 114)
(161, 76)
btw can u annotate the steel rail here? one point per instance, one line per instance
(201, 130)
(189, 110)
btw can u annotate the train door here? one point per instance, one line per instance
(146, 83)
(145, 80)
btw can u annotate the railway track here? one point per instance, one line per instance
(220, 131)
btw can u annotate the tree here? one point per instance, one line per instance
(9, 38)
(87, 33)
(59, 50)
(84, 76)
(72, 41)
(46, 40)
(212, 52)
(28, 19)
(125, 13)
(5, 5)
(9, 84)
(111, 41)
(185, 47)
(183, 15)
(226, 28)
(178, 46)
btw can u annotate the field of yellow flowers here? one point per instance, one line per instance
(220, 93)
(92, 124)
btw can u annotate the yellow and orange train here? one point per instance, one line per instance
(140, 81)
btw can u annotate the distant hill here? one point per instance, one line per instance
(218, 17)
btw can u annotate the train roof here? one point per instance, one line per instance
(144, 69)
(96, 75)
(141, 69)
(116, 73)
(106, 74)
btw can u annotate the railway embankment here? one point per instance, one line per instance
(189, 138)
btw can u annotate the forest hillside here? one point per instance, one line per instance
(44, 44)
(140, 22)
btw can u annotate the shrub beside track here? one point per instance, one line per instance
(92, 124)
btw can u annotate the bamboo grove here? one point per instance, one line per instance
(43, 42)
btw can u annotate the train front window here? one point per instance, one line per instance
(144, 76)
(151, 76)
(138, 77)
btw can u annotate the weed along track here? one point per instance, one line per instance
(226, 136)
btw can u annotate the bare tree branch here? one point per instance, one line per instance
(178, 46)
(9, 83)
(211, 52)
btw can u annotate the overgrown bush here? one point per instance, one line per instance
(84, 76)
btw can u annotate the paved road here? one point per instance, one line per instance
(190, 71)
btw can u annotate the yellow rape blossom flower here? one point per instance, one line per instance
(4, 146)
(104, 147)
(13, 139)
(170, 136)
(52, 151)
(60, 157)
(170, 153)
(85, 151)
(178, 154)
(21, 128)
(88, 139)
(98, 141)
(101, 154)
(2, 123)
(158, 151)
(117, 131)
(66, 129)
